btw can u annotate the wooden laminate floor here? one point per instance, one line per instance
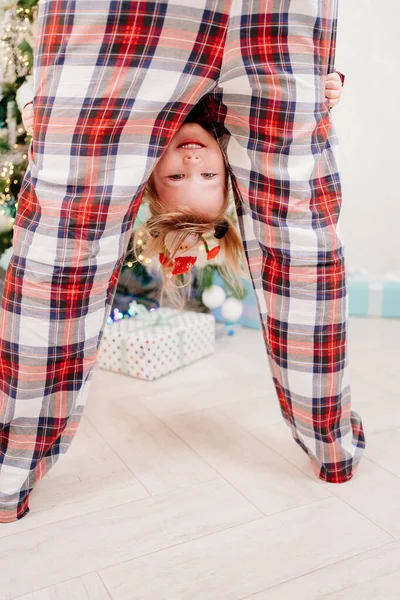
(192, 488)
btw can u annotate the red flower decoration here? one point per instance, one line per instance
(164, 260)
(213, 252)
(183, 264)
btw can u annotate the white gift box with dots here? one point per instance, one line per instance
(148, 348)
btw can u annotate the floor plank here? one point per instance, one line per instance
(247, 558)
(262, 475)
(374, 575)
(153, 452)
(73, 547)
(87, 587)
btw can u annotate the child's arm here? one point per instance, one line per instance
(334, 88)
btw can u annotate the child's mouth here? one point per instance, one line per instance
(191, 145)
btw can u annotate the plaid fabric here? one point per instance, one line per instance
(112, 86)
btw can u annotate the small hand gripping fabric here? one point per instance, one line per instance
(341, 75)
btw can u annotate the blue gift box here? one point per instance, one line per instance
(374, 296)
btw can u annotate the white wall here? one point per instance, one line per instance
(368, 126)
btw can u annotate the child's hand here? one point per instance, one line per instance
(27, 118)
(333, 89)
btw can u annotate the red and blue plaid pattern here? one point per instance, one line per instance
(113, 83)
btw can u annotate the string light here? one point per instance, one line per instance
(17, 30)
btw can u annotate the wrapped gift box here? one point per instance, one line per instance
(373, 295)
(156, 342)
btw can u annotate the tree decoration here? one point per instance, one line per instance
(213, 296)
(16, 39)
(232, 310)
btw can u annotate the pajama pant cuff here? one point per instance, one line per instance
(337, 476)
(9, 515)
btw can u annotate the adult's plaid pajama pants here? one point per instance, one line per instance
(113, 82)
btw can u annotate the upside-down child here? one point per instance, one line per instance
(188, 197)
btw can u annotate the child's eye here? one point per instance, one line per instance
(208, 175)
(176, 177)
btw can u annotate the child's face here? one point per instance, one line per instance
(193, 176)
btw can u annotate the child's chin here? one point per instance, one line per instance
(191, 121)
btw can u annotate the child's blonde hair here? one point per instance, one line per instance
(178, 225)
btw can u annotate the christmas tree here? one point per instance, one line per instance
(17, 21)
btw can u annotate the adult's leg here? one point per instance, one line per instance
(283, 154)
(113, 82)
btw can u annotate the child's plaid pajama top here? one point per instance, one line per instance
(113, 82)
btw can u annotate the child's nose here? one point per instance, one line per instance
(191, 159)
